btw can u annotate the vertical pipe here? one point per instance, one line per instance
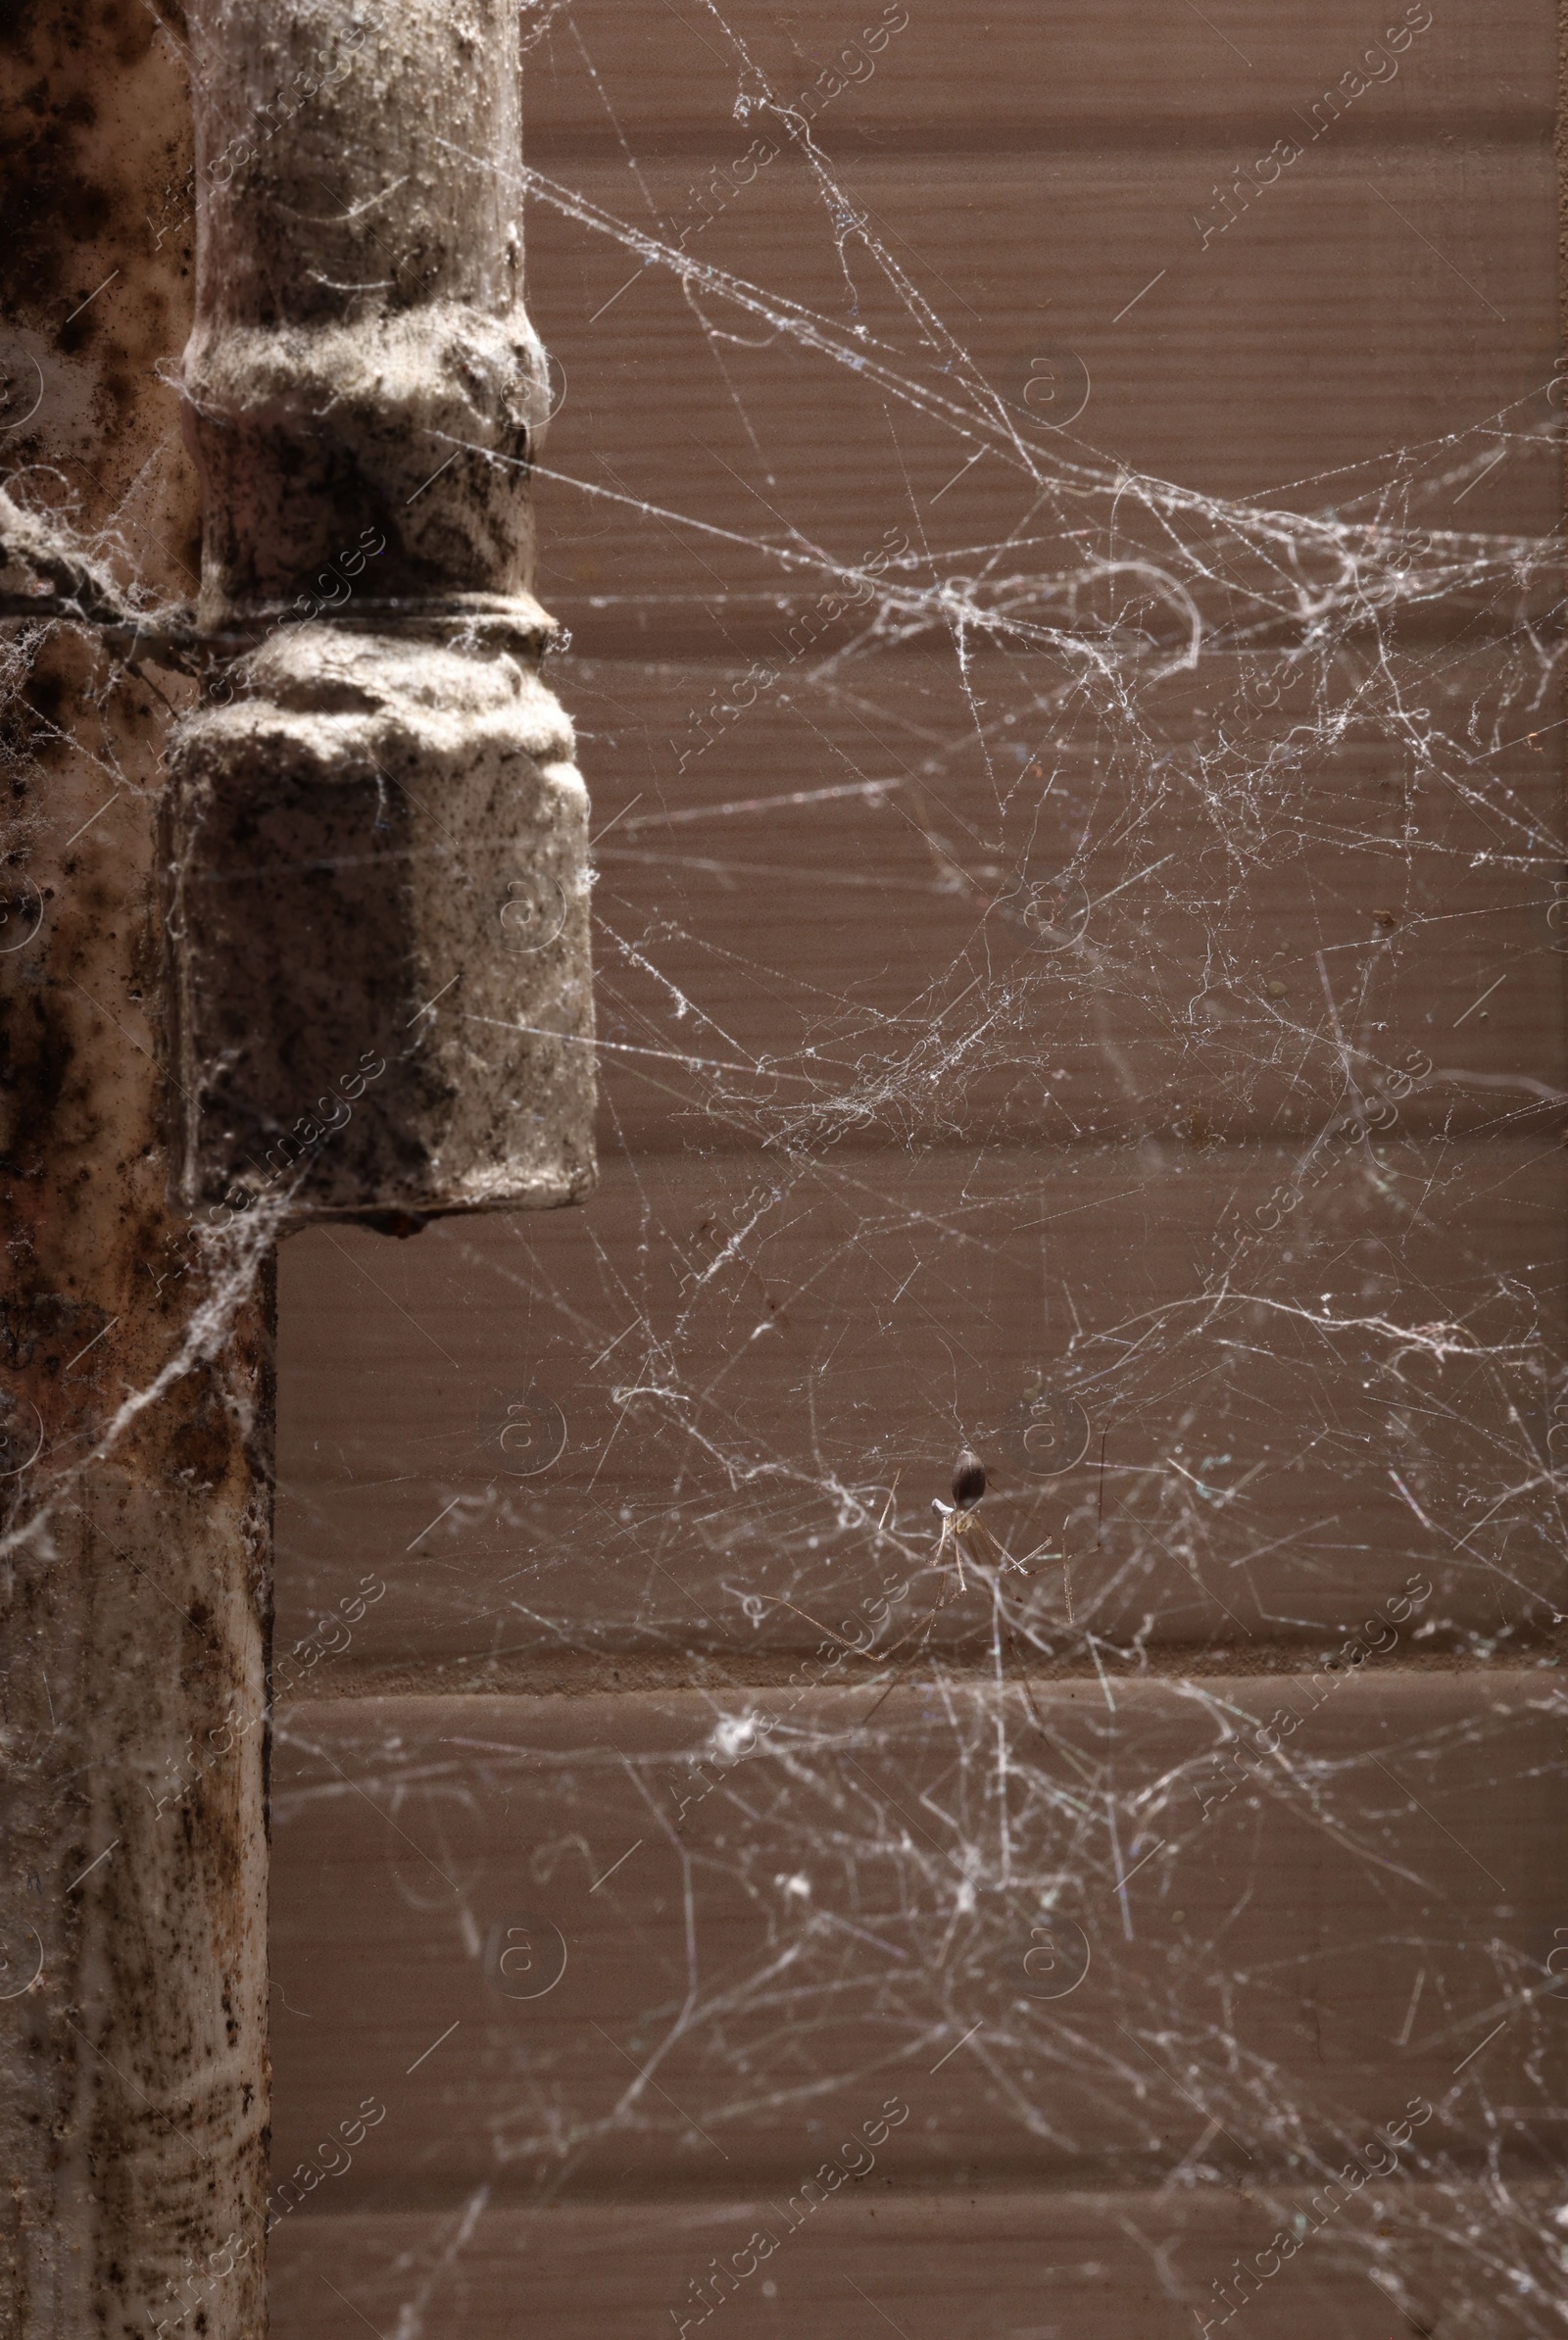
(370, 868)
(135, 1458)
(133, 1535)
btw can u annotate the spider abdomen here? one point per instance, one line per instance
(968, 1478)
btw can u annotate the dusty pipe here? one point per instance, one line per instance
(134, 1606)
(135, 1474)
(376, 850)
(133, 1537)
(373, 860)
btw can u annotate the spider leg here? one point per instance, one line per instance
(1025, 1565)
(920, 1625)
(986, 1548)
(957, 1588)
(1056, 1745)
(923, 1626)
(851, 1647)
(1028, 1695)
(911, 1660)
(872, 1657)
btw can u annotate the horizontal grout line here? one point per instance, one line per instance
(1214, 1154)
(1011, 1148)
(710, 143)
(661, 1143)
(579, 1673)
(673, 638)
(1014, 2181)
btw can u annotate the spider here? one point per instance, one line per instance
(962, 1525)
(961, 1531)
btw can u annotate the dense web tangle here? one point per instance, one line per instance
(1185, 1230)
(1054, 966)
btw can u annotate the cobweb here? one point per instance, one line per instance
(1116, 1093)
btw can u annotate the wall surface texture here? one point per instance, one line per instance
(1048, 507)
(1053, 512)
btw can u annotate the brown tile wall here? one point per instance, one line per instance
(620, 1911)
